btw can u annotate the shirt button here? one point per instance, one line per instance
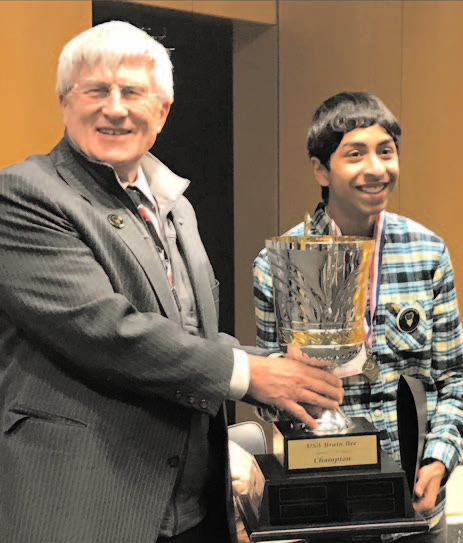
(191, 398)
(173, 461)
(178, 394)
(377, 413)
(203, 404)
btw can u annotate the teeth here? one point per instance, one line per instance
(372, 189)
(113, 132)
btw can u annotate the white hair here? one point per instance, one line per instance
(111, 44)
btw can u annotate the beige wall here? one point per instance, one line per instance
(431, 189)
(264, 11)
(327, 47)
(255, 113)
(32, 35)
(255, 96)
(409, 53)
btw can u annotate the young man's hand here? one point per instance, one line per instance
(287, 384)
(427, 486)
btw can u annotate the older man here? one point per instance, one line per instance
(113, 371)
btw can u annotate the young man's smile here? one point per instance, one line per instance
(373, 188)
(362, 174)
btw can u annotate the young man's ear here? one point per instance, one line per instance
(320, 172)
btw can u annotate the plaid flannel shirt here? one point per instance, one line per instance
(416, 272)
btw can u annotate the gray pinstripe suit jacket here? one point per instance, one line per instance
(96, 372)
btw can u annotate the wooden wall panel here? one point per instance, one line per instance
(255, 159)
(255, 165)
(327, 47)
(431, 189)
(182, 5)
(32, 34)
(263, 11)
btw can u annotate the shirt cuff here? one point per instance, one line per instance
(239, 382)
(443, 452)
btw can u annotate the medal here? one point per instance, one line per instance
(370, 367)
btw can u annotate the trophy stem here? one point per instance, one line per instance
(332, 422)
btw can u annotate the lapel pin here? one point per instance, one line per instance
(116, 221)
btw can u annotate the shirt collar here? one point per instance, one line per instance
(320, 223)
(154, 179)
(141, 183)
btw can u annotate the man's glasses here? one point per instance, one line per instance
(97, 92)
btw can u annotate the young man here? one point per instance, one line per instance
(113, 371)
(412, 311)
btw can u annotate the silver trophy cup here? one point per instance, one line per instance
(320, 292)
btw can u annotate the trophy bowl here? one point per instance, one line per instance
(320, 294)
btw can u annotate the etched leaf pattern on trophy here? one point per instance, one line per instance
(346, 273)
(322, 292)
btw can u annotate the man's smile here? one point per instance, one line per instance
(373, 188)
(113, 131)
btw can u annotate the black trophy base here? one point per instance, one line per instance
(320, 506)
(337, 532)
(363, 494)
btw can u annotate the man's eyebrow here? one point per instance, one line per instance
(123, 83)
(362, 144)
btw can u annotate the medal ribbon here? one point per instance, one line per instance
(375, 267)
(375, 273)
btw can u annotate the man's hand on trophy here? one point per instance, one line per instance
(296, 353)
(289, 385)
(315, 411)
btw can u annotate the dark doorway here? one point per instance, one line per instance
(197, 140)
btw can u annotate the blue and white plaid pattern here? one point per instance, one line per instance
(416, 272)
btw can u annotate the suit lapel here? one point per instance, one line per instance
(116, 204)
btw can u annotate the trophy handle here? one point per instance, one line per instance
(411, 420)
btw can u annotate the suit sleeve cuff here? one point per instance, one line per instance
(239, 382)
